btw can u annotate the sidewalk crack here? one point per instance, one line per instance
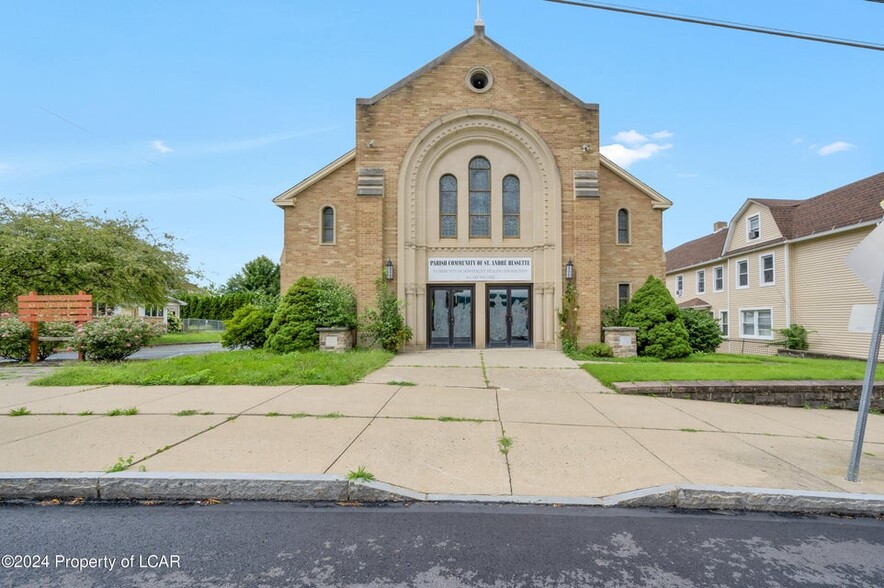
(364, 429)
(506, 456)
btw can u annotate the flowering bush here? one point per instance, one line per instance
(115, 338)
(15, 338)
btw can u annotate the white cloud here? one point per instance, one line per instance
(161, 147)
(631, 137)
(625, 156)
(631, 146)
(797, 141)
(835, 147)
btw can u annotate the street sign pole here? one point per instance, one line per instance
(866, 398)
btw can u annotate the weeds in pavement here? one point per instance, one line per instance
(331, 415)
(400, 383)
(121, 465)
(122, 412)
(21, 411)
(505, 444)
(361, 475)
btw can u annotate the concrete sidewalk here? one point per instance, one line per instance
(432, 422)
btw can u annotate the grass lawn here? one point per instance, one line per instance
(246, 367)
(720, 366)
(190, 337)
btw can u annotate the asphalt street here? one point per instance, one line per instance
(276, 544)
(156, 352)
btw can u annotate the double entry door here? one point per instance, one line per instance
(509, 316)
(450, 317)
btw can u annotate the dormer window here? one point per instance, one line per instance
(753, 227)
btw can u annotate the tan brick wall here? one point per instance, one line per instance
(303, 253)
(630, 264)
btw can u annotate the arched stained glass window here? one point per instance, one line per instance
(328, 225)
(448, 206)
(480, 197)
(511, 207)
(623, 226)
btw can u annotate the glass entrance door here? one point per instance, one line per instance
(509, 316)
(450, 320)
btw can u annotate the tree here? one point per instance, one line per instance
(53, 249)
(661, 331)
(704, 332)
(261, 275)
(294, 322)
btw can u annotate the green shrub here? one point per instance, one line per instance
(569, 330)
(294, 323)
(612, 316)
(704, 332)
(795, 337)
(597, 350)
(173, 324)
(15, 337)
(248, 327)
(661, 331)
(219, 307)
(335, 304)
(385, 326)
(115, 338)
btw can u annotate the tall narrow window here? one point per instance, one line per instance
(766, 265)
(623, 226)
(511, 207)
(480, 197)
(701, 281)
(718, 273)
(742, 274)
(328, 225)
(622, 295)
(448, 206)
(723, 320)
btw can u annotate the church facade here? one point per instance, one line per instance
(476, 187)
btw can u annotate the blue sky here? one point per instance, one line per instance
(196, 114)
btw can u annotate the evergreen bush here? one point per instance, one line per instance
(597, 350)
(704, 332)
(795, 337)
(385, 326)
(115, 338)
(661, 330)
(173, 324)
(294, 323)
(248, 327)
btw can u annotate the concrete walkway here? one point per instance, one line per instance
(433, 421)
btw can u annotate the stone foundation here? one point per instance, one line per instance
(622, 341)
(335, 339)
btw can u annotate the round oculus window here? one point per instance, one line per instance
(479, 79)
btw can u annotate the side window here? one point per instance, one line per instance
(743, 273)
(718, 276)
(623, 226)
(448, 206)
(766, 265)
(622, 295)
(701, 281)
(511, 207)
(328, 225)
(480, 198)
(679, 286)
(723, 319)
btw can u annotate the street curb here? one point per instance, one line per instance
(333, 488)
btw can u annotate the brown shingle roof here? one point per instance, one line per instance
(696, 251)
(697, 303)
(843, 207)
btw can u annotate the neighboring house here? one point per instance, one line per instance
(154, 314)
(781, 262)
(475, 182)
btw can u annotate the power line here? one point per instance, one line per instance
(727, 24)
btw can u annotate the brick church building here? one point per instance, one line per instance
(477, 183)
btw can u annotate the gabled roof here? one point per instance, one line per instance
(695, 303)
(852, 205)
(286, 198)
(696, 251)
(660, 201)
(477, 36)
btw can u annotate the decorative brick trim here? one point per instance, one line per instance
(586, 184)
(370, 181)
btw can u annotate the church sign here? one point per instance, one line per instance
(479, 269)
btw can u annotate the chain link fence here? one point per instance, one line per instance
(747, 347)
(194, 325)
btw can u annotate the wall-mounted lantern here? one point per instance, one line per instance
(388, 269)
(569, 270)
